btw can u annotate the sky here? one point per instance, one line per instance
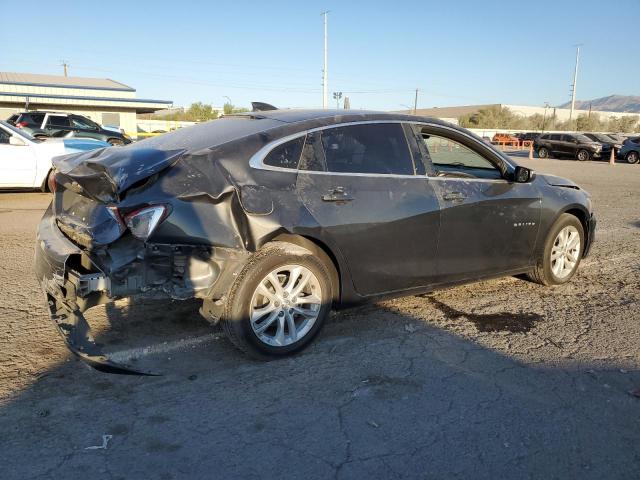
(455, 52)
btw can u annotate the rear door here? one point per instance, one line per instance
(58, 125)
(371, 203)
(488, 224)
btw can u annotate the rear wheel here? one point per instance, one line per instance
(632, 157)
(279, 302)
(562, 252)
(583, 155)
(543, 152)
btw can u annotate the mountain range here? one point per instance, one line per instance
(612, 103)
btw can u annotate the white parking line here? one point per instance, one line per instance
(126, 355)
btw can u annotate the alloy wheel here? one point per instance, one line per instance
(285, 305)
(565, 252)
(583, 155)
(632, 157)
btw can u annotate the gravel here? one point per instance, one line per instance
(498, 379)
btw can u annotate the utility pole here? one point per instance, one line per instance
(575, 81)
(325, 84)
(415, 104)
(65, 65)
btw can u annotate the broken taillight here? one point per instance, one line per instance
(143, 222)
(51, 182)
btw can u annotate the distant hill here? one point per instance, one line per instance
(612, 103)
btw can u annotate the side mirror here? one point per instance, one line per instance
(16, 142)
(523, 174)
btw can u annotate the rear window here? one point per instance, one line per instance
(369, 149)
(32, 118)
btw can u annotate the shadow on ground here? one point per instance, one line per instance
(380, 394)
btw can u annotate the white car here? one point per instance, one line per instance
(25, 162)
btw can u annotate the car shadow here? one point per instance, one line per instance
(381, 393)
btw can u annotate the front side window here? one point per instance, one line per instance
(367, 149)
(58, 121)
(286, 155)
(451, 158)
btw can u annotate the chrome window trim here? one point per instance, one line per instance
(257, 159)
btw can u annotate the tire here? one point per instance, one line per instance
(115, 142)
(41, 137)
(543, 152)
(546, 272)
(582, 155)
(277, 261)
(632, 157)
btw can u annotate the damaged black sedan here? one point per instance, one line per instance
(273, 218)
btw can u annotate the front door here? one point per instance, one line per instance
(488, 223)
(360, 185)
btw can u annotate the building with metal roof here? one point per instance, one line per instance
(105, 101)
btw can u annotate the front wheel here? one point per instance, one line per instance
(278, 303)
(115, 142)
(632, 157)
(583, 155)
(562, 252)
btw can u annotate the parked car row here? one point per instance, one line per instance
(43, 125)
(587, 146)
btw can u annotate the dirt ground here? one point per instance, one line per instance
(499, 379)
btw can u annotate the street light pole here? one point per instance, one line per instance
(325, 74)
(544, 116)
(575, 81)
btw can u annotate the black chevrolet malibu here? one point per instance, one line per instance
(273, 218)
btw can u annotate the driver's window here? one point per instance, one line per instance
(452, 159)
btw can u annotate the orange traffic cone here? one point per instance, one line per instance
(612, 158)
(531, 151)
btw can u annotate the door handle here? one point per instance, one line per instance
(453, 196)
(337, 194)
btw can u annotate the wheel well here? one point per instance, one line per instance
(323, 252)
(582, 216)
(45, 183)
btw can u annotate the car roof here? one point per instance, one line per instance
(331, 115)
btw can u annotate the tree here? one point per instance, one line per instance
(490, 117)
(230, 108)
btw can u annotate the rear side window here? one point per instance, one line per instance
(369, 148)
(286, 155)
(59, 121)
(33, 118)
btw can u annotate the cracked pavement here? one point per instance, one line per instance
(498, 379)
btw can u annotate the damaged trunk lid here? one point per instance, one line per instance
(90, 185)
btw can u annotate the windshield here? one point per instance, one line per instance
(601, 138)
(19, 132)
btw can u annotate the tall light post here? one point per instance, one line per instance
(325, 73)
(575, 81)
(337, 96)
